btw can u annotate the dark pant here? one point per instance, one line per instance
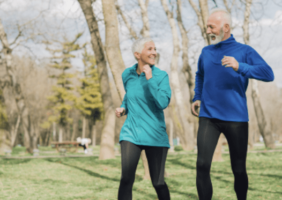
(82, 145)
(236, 134)
(130, 154)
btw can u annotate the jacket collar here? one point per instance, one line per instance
(134, 68)
(228, 41)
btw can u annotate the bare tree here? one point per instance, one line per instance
(202, 14)
(146, 28)
(107, 140)
(127, 24)
(262, 123)
(188, 139)
(112, 44)
(10, 82)
(186, 69)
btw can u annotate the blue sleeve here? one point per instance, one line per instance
(255, 67)
(124, 101)
(161, 91)
(199, 80)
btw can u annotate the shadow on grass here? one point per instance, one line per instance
(95, 161)
(178, 185)
(177, 161)
(84, 170)
(4, 161)
(259, 190)
(267, 175)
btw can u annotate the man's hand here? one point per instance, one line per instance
(229, 61)
(196, 107)
(120, 112)
(148, 71)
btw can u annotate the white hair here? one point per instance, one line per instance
(139, 44)
(225, 14)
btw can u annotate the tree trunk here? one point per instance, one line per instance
(112, 44)
(171, 135)
(186, 69)
(262, 123)
(61, 130)
(74, 130)
(54, 131)
(84, 125)
(202, 16)
(181, 107)
(94, 133)
(27, 141)
(146, 29)
(10, 82)
(14, 131)
(4, 142)
(127, 24)
(107, 139)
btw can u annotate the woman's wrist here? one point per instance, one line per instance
(123, 112)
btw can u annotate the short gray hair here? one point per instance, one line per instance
(225, 14)
(139, 44)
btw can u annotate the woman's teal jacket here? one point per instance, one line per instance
(144, 103)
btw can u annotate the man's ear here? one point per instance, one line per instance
(226, 28)
(137, 55)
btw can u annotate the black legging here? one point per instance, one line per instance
(130, 154)
(236, 134)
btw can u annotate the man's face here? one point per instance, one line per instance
(215, 28)
(148, 54)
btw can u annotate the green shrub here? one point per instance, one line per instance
(178, 148)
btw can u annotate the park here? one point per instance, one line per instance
(85, 84)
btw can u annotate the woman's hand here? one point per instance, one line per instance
(120, 112)
(148, 71)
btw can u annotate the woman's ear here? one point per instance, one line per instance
(137, 55)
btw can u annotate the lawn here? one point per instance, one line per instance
(89, 178)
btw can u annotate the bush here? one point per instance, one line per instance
(178, 148)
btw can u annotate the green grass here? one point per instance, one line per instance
(89, 178)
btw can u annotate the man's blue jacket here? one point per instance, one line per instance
(221, 90)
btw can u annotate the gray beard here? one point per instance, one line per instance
(218, 38)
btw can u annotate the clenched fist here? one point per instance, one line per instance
(196, 107)
(120, 112)
(229, 61)
(148, 71)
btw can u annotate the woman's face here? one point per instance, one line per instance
(148, 54)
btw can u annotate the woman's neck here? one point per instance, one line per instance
(140, 66)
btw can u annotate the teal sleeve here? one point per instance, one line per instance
(124, 101)
(161, 91)
(124, 104)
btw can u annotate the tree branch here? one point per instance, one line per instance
(131, 31)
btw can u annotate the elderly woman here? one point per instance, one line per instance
(147, 95)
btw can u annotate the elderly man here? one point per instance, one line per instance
(224, 69)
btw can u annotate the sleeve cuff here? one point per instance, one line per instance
(243, 67)
(196, 98)
(123, 106)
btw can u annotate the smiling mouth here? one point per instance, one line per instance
(213, 37)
